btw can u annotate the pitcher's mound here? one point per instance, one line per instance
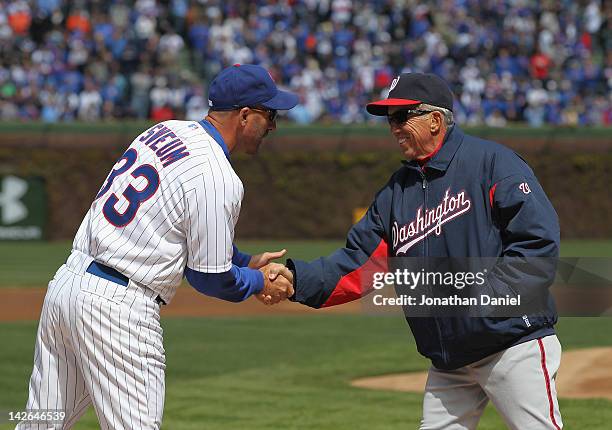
(584, 373)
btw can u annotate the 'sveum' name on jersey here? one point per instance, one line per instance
(165, 144)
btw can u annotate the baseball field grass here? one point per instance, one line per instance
(32, 264)
(281, 372)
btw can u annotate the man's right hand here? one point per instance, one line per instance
(276, 288)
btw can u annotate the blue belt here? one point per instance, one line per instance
(110, 274)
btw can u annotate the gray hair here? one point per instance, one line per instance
(449, 118)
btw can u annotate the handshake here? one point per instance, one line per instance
(278, 284)
(278, 279)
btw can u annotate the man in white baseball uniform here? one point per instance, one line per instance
(167, 209)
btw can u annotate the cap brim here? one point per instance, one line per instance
(380, 108)
(283, 100)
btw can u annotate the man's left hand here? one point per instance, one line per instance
(260, 260)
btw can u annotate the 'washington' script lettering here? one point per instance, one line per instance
(429, 221)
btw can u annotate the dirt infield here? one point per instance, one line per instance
(584, 373)
(23, 304)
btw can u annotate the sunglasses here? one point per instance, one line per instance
(272, 113)
(402, 116)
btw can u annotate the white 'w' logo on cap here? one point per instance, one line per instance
(394, 83)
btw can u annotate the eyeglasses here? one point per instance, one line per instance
(272, 113)
(402, 116)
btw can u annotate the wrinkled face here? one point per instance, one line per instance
(258, 122)
(414, 130)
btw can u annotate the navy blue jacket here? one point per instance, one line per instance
(474, 198)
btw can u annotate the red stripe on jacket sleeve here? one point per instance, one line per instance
(354, 285)
(492, 194)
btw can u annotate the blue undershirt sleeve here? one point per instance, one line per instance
(240, 259)
(235, 285)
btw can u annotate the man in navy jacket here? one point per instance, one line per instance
(457, 196)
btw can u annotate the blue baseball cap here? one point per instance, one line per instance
(243, 85)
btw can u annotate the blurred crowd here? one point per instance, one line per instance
(539, 62)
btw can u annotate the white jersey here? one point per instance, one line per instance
(171, 200)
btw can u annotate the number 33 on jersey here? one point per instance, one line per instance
(134, 194)
(173, 193)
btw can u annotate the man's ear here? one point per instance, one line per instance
(242, 116)
(436, 123)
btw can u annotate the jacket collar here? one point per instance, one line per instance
(442, 159)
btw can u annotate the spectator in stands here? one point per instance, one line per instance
(506, 61)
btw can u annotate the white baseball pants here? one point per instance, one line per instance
(98, 343)
(519, 381)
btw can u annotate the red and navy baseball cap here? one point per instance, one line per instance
(243, 85)
(411, 89)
